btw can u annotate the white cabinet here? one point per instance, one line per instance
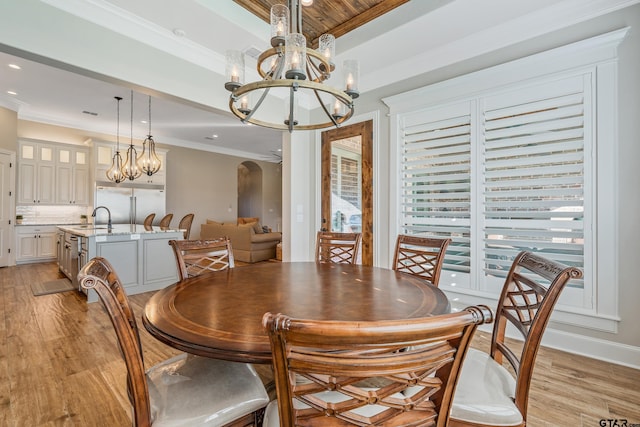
(72, 176)
(36, 173)
(36, 243)
(103, 155)
(50, 174)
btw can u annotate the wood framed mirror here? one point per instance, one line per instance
(347, 183)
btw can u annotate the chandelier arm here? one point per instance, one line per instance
(277, 51)
(322, 63)
(291, 102)
(324, 107)
(257, 105)
(247, 117)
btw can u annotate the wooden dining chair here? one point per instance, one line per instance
(165, 222)
(337, 248)
(195, 257)
(185, 389)
(185, 224)
(356, 375)
(420, 256)
(148, 221)
(487, 394)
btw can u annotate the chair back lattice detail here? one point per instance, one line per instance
(355, 373)
(420, 256)
(195, 257)
(99, 275)
(185, 224)
(528, 297)
(337, 248)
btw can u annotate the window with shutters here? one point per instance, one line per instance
(508, 166)
(501, 169)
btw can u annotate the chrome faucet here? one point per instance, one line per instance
(93, 214)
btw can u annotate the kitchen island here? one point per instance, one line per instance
(142, 258)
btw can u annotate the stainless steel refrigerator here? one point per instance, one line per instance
(129, 205)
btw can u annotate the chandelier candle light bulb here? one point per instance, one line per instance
(279, 18)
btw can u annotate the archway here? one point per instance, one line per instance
(249, 190)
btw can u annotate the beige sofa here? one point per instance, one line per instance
(248, 245)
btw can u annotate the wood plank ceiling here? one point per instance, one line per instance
(336, 17)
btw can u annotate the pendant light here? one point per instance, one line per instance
(131, 169)
(149, 160)
(115, 171)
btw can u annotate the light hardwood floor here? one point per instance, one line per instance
(60, 366)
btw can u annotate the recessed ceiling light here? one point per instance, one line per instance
(15, 66)
(10, 92)
(279, 149)
(143, 121)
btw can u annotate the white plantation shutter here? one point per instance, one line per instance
(533, 171)
(527, 178)
(436, 180)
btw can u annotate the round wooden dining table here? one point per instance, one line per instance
(219, 314)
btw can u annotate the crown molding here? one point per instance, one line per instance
(561, 14)
(105, 14)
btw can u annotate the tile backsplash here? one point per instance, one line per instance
(49, 214)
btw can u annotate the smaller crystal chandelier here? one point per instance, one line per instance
(290, 68)
(149, 161)
(131, 169)
(115, 171)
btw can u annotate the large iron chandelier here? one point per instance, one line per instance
(290, 66)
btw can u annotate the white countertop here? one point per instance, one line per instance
(89, 230)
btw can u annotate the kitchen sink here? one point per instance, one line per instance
(91, 227)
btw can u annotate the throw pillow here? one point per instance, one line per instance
(257, 227)
(210, 221)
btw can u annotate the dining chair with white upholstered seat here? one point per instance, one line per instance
(184, 390)
(355, 376)
(487, 393)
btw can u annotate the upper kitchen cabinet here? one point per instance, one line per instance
(103, 155)
(50, 174)
(72, 176)
(36, 173)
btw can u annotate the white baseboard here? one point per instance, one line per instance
(608, 351)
